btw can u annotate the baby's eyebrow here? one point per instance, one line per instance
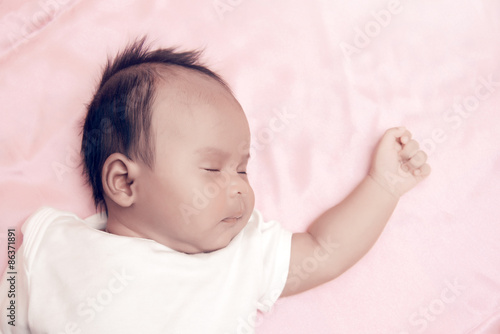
(209, 150)
(214, 151)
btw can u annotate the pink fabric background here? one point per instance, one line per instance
(419, 67)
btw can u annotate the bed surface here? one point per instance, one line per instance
(336, 75)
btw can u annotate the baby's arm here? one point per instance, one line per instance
(345, 232)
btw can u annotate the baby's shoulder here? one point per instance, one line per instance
(44, 226)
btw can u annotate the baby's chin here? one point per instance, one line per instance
(208, 249)
(225, 239)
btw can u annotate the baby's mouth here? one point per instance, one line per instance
(233, 219)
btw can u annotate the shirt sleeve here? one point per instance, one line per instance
(15, 283)
(14, 287)
(276, 248)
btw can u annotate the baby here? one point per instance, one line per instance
(181, 249)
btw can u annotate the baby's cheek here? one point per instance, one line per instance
(250, 198)
(207, 198)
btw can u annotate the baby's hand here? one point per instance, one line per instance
(398, 164)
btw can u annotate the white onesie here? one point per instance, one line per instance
(74, 278)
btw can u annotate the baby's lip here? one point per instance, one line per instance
(232, 219)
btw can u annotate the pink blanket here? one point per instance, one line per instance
(320, 81)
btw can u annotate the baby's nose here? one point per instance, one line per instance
(237, 186)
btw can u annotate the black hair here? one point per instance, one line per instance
(119, 115)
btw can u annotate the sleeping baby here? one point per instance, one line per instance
(179, 247)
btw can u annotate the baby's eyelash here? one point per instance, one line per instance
(212, 170)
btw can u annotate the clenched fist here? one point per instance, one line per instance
(398, 164)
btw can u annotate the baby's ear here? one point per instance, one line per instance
(118, 176)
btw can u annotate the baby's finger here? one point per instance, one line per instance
(393, 137)
(395, 132)
(423, 171)
(405, 137)
(409, 149)
(416, 161)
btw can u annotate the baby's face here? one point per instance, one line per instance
(197, 196)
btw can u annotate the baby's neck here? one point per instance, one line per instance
(114, 225)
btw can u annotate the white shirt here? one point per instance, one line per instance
(71, 278)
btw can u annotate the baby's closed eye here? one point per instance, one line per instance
(216, 170)
(212, 170)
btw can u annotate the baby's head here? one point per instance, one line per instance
(165, 147)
